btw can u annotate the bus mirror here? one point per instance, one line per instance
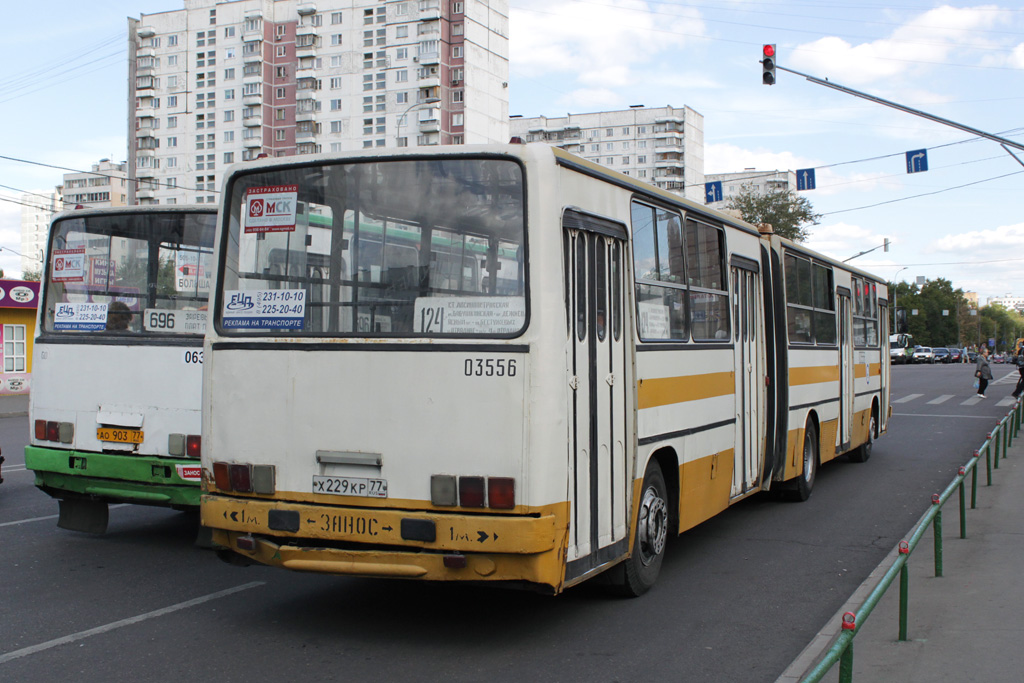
(901, 320)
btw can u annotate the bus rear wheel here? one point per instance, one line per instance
(863, 452)
(801, 490)
(641, 570)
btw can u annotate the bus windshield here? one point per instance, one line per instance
(129, 273)
(401, 248)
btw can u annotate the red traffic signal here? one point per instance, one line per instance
(768, 65)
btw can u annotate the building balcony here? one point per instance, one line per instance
(305, 115)
(430, 126)
(306, 8)
(141, 153)
(305, 49)
(431, 12)
(144, 132)
(428, 58)
(252, 99)
(145, 194)
(306, 32)
(145, 52)
(252, 54)
(678, 165)
(430, 82)
(145, 173)
(252, 121)
(304, 134)
(144, 86)
(146, 111)
(145, 32)
(248, 79)
(250, 143)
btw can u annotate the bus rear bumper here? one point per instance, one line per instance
(463, 548)
(125, 478)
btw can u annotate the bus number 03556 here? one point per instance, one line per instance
(490, 367)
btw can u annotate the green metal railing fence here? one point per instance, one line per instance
(993, 450)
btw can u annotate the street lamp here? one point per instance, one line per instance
(401, 119)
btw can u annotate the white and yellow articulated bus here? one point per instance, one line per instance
(117, 363)
(508, 364)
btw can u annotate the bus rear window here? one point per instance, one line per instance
(140, 273)
(398, 248)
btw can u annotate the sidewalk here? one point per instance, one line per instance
(14, 405)
(968, 624)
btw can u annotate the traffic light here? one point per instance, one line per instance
(768, 65)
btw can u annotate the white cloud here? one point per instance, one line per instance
(927, 41)
(599, 44)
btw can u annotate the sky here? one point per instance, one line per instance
(63, 103)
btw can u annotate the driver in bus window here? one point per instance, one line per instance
(118, 316)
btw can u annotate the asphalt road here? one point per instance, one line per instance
(738, 599)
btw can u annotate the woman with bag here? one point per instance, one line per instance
(982, 371)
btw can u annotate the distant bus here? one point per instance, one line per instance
(901, 348)
(508, 364)
(118, 358)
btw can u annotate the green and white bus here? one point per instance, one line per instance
(118, 358)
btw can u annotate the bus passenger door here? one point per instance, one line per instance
(599, 478)
(749, 381)
(845, 370)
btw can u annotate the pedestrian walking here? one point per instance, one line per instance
(982, 371)
(1020, 369)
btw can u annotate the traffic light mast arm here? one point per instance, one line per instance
(909, 110)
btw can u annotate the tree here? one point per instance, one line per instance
(785, 211)
(32, 275)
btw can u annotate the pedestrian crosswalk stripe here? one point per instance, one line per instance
(908, 398)
(940, 399)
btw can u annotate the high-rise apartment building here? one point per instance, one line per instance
(224, 81)
(106, 185)
(37, 208)
(663, 146)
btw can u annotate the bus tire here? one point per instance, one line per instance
(863, 452)
(641, 570)
(801, 490)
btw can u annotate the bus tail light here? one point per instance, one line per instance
(189, 445)
(51, 430)
(498, 493)
(471, 492)
(221, 476)
(501, 493)
(244, 478)
(241, 478)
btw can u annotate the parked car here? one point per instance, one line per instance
(923, 354)
(941, 354)
(955, 354)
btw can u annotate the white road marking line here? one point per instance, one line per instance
(124, 622)
(26, 521)
(965, 417)
(908, 398)
(940, 399)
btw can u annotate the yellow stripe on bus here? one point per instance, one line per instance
(813, 375)
(663, 391)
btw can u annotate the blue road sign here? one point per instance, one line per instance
(917, 161)
(805, 179)
(713, 192)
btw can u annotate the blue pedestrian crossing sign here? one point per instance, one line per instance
(713, 192)
(917, 161)
(805, 179)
